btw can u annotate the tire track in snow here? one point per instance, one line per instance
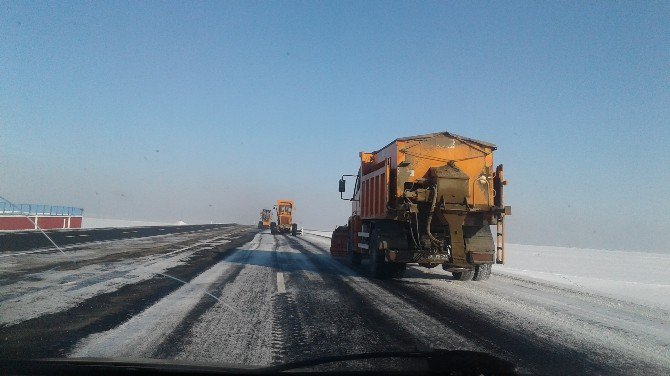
(287, 325)
(179, 339)
(143, 333)
(337, 318)
(245, 338)
(533, 351)
(54, 335)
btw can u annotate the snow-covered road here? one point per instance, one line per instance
(271, 299)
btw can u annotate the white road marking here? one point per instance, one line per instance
(281, 285)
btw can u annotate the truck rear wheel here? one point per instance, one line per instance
(482, 272)
(294, 229)
(397, 270)
(465, 275)
(377, 264)
(355, 258)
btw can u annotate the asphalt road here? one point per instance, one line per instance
(257, 299)
(34, 240)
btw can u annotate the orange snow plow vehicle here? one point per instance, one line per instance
(427, 199)
(284, 224)
(266, 218)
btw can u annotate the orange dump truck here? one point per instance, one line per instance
(266, 218)
(427, 199)
(284, 224)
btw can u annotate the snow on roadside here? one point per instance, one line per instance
(327, 234)
(139, 336)
(89, 222)
(637, 277)
(222, 334)
(247, 338)
(56, 290)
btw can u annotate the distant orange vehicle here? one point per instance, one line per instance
(266, 218)
(284, 209)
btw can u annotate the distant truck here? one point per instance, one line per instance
(427, 199)
(266, 218)
(284, 224)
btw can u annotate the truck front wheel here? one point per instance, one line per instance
(354, 257)
(397, 270)
(377, 264)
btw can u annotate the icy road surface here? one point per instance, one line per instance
(258, 299)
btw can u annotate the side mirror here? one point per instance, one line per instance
(343, 188)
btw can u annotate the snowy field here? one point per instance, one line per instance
(637, 277)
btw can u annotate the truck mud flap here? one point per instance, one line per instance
(478, 238)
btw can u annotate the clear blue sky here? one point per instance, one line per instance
(210, 111)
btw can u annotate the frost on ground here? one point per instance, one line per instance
(568, 296)
(542, 303)
(139, 336)
(76, 279)
(236, 329)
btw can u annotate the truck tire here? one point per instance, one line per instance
(354, 257)
(377, 265)
(260, 225)
(294, 229)
(397, 270)
(273, 228)
(465, 275)
(482, 272)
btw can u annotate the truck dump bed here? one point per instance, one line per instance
(385, 172)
